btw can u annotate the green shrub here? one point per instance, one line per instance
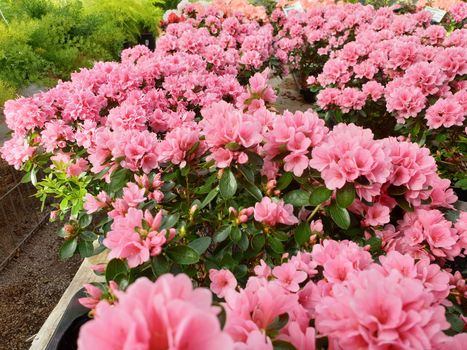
(46, 40)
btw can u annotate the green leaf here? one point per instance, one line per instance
(279, 322)
(258, 242)
(227, 184)
(375, 244)
(26, 178)
(284, 181)
(183, 254)
(114, 268)
(282, 345)
(276, 245)
(85, 220)
(200, 244)
(302, 233)
(253, 190)
(235, 234)
(169, 221)
(404, 204)
(462, 184)
(319, 195)
(85, 248)
(340, 216)
(88, 236)
(118, 179)
(222, 234)
(456, 323)
(160, 265)
(211, 195)
(247, 173)
(244, 242)
(298, 198)
(345, 195)
(68, 248)
(397, 190)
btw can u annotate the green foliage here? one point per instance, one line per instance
(46, 40)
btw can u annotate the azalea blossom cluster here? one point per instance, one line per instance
(405, 64)
(354, 302)
(232, 44)
(382, 172)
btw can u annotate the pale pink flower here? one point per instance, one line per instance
(289, 277)
(274, 212)
(221, 281)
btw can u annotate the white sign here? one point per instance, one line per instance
(294, 7)
(437, 14)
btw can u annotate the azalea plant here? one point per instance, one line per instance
(397, 74)
(177, 163)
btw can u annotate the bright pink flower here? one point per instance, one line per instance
(167, 314)
(370, 310)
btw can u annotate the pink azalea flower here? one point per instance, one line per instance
(271, 212)
(221, 281)
(166, 314)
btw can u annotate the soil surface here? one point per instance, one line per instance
(30, 286)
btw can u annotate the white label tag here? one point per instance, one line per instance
(296, 6)
(438, 14)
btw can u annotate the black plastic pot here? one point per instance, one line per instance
(461, 194)
(148, 39)
(66, 334)
(308, 95)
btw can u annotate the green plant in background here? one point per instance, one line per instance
(42, 41)
(166, 5)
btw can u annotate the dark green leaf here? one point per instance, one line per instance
(227, 184)
(211, 195)
(297, 198)
(345, 195)
(302, 233)
(159, 265)
(235, 234)
(253, 190)
(284, 181)
(276, 245)
(319, 195)
(222, 234)
(169, 221)
(456, 323)
(375, 244)
(183, 255)
(279, 322)
(397, 190)
(88, 236)
(85, 220)
(68, 248)
(200, 244)
(114, 268)
(118, 179)
(404, 204)
(258, 242)
(244, 242)
(340, 216)
(247, 173)
(85, 248)
(282, 345)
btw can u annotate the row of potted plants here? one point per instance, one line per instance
(309, 234)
